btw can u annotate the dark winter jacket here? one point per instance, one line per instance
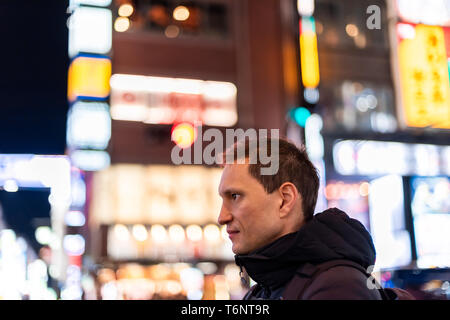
(330, 235)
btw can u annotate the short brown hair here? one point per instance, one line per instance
(294, 167)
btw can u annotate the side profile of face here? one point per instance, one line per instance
(252, 216)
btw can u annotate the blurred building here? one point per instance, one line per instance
(327, 73)
(364, 84)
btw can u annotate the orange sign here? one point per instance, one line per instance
(89, 77)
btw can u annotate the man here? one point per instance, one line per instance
(275, 236)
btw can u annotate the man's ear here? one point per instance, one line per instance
(289, 196)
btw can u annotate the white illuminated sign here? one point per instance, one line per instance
(90, 160)
(74, 244)
(352, 157)
(431, 12)
(99, 3)
(90, 30)
(387, 225)
(32, 171)
(305, 7)
(89, 125)
(158, 100)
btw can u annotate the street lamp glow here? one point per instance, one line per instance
(126, 10)
(181, 13)
(121, 24)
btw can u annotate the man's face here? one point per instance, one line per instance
(251, 214)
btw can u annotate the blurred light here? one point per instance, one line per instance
(75, 219)
(184, 135)
(43, 235)
(311, 95)
(158, 233)
(192, 280)
(172, 31)
(140, 232)
(7, 237)
(309, 58)
(89, 77)
(54, 271)
(383, 122)
(427, 159)
(161, 100)
(90, 30)
(372, 101)
(78, 190)
(129, 112)
(351, 30)
(224, 233)
(74, 244)
(361, 104)
(121, 232)
(176, 233)
(55, 244)
(432, 12)
(207, 267)
(406, 31)
(126, 10)
(221, 288)
(174, 287)
(305, 7)
(212, 233)
(181, 13)
(344, 157)
(90, 160)
(300, 115)
(74, 292)
(319, 27)
(121, 24)
(220, 117)
(386, 207)
(364, 189)
(89, 125)
(313, 137)
(194, 295)
(194, 233)
(30, 171)
(37, 270)
(10, 186)
(99, 3)
(307, 26)
(380, 157)
(360, 41)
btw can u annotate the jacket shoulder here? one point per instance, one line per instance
(341, 283)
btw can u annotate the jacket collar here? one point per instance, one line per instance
(330, 235)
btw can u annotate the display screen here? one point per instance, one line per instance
(431, 219)
(387, 223)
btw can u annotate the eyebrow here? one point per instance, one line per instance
(229, 191)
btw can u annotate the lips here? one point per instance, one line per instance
(232, 233)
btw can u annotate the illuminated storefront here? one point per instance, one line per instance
(160, 233)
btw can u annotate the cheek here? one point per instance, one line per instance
(256, 216)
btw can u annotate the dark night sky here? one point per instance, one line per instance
(24, 211)
(33, 76)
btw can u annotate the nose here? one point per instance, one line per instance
(224, 216)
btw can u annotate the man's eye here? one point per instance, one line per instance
(234, 196)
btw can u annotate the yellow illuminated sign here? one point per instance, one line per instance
(424, 77)
(309, 59)
(89, 77)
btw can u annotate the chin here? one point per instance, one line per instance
(239, 251)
